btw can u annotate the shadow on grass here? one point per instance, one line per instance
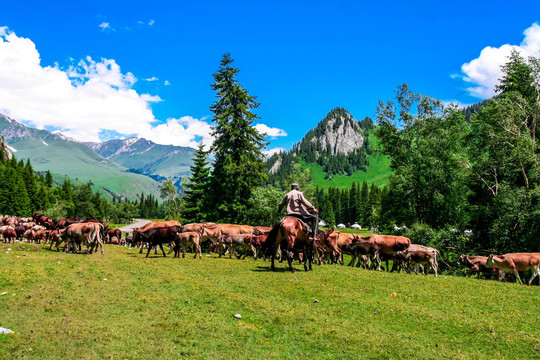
(277, 269)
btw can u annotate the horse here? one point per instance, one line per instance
(290, 235)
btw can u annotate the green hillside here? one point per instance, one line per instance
(66, 158)
(377, 172)
(338, 152)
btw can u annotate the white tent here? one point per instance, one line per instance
(322, 223)
(341, 226)
(356, 226)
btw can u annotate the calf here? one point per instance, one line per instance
(185, 239)
(515, 263)
(257, 242)
(477, 264)
(234, 240)
(419, 257)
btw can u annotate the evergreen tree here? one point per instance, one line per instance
(239, 162)
(197, 187)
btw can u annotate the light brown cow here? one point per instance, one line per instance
(90, 233)
(515, 263)
(419, 257)
(388, 246)
(184, 239)
(233, 240)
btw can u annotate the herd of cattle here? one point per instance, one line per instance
(329, 246)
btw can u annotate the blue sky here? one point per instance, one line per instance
(102, 69)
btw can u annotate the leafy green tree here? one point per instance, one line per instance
(196, 193)
(425, 143)
(262, 206)
(237, 147)
(169, 192)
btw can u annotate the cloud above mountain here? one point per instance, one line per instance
(484, 72)
(88, 98)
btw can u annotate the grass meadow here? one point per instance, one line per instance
(124, 306)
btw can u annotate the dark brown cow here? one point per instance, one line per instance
(363, 249)
(157, 236)
(477, 264)
(515, 263)
(151, 225)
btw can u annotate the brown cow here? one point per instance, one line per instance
(158, 236)
(9, 234)
(89, 233)
(233, 240)
(257, 242)
(477, 264)
(185, 239)
(151, 225)
(388, 246)
(515, 263)
(114, 233)
(419, 257)
(327, 244)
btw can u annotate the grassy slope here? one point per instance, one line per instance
(77, 161)
(377, 172)
(183, 308)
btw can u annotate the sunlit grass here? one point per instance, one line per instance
(161, 308)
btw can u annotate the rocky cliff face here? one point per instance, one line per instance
(343, 134)
(4, 151)
(337, 133)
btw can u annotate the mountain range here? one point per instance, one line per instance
(338, 151)
(68, 158)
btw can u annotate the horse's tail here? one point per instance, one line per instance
(268, 245)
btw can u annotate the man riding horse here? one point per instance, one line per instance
(299, 207)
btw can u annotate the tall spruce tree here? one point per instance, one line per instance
(239, 162)
(197, 187)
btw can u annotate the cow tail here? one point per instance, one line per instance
(444, 262)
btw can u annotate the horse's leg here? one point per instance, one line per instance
(290, 251)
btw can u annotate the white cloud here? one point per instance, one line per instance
(268, 131)
(151, 22)
(166, 83)
(105, 26)
(153, 78)
(87, 98)
(484, 72)
(185, 131)
(273, 151)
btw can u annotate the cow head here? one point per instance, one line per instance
(490, 262)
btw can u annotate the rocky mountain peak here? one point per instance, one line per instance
(338, 132)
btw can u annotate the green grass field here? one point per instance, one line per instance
(61, 307)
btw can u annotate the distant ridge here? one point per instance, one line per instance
(145, 157)
(64, 157)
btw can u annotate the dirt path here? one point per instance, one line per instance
(137, 223)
